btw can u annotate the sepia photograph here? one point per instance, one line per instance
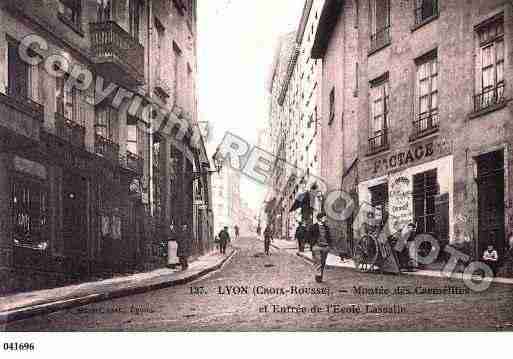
(252, 166)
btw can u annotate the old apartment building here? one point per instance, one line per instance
(420, 95)
(295, 89)
(89, 186)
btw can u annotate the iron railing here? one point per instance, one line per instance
(106, 147)
(69, 130)
(110, 41)
(380, 39)
(23, 104)
(426, 122)
(379, 141)
(488, 97)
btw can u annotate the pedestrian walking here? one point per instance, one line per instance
(267, 240)
(224, 238)
(300, 236)
(491, 258)
(321, 238)
(184, 249)
(236, 228)
(259, 231)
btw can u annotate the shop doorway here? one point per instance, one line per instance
(490, 184)
(74, 202)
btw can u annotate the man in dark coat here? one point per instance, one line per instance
(183, 252)
(301, 236)
(268, 237)
(321, 239)
(224, 238)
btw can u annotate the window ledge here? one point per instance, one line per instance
(417, 136)
(424, 22)
(74, 27)
(487, 110)
(379, 48)
(377, 150)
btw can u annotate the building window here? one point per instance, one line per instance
(379, 99)
(106, 120)
(490, 65)
(332, 106)
(159, 56)
(132, 138)
(157, 204)
(380, 24)
(425, 10)
(70, 12)
(134, 10)
(30, 211)
(425, 190)
(65, 97)
(18, 76)
(426, 114)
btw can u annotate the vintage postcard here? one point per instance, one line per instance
(244, 165)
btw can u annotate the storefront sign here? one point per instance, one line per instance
(411, 155)
(400, 202)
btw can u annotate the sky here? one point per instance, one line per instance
(236, 44)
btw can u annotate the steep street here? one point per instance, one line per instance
(283, 285)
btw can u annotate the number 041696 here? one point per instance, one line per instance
(13, 346)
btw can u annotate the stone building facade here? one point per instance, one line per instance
(88, 182)
(431, 114)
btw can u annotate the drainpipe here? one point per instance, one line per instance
(148, 89)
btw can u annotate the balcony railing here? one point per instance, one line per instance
(489, 97)
(21, 115)
(134, 162)
(112, 44)
(378, 142)
(426, 123)
(106, 147)
(69, 130)
(380, 39)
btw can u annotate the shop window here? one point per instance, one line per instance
(379, 200)
(425, 191)
(380, 24)
(490, 65)
(30, 212)
(106, 120)
(133, 135)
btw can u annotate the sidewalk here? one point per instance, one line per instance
(23, 305)
(334, 261)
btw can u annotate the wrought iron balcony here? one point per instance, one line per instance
(380, 39)
(378, 142)
(426, 123)
(489, 97)
(21, 116)
(134, 162)
(107, 148)
(69, 130)
(116, 53)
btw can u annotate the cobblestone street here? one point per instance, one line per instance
(220, 302)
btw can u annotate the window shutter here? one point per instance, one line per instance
(442, 216)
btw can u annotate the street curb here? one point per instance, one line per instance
(47, 308)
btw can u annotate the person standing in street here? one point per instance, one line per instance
(491, 258)
(322, 238)
(267, 240)
(184, 247)
(300, 236)
(236, 228)
(224, 238)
